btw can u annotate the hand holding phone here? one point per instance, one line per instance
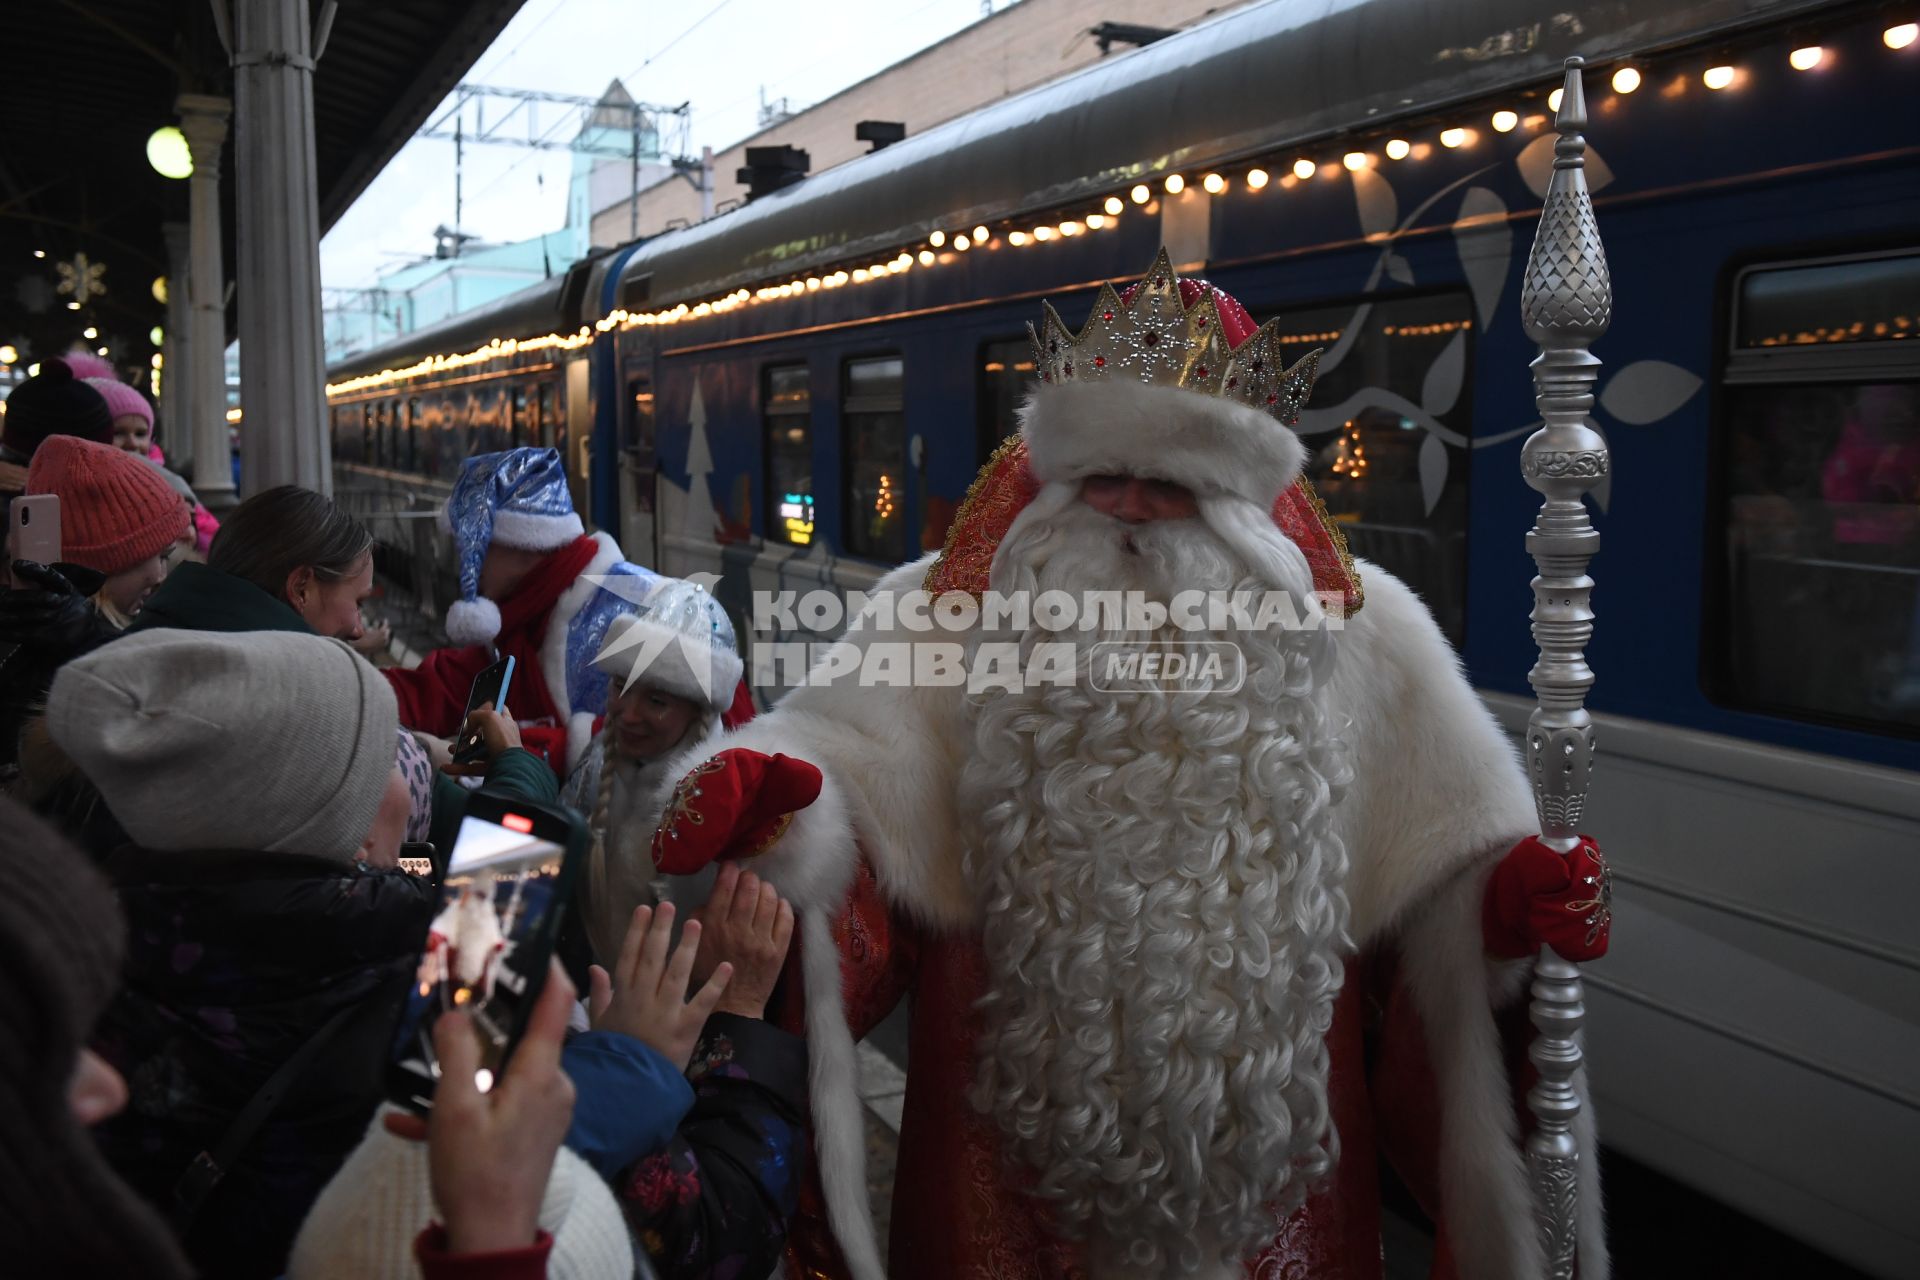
(491, 1153)
(489, 690)
(496, 733)
(33, 532)
(507, 880)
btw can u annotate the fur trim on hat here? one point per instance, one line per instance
(1118, 427)
(475, 621)
(527, 532)
(669, 664)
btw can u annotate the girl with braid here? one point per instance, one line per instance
(673, 668)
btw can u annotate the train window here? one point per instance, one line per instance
(1819, 476)
(1407, 515)
(638, 434)
(873, 435)
(787, 406)
(549, 421)
(1006, 373)
(410, 437)
(521, 430)
(1844, 300)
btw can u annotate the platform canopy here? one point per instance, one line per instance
(85, 83)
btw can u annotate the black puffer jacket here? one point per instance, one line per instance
(234, 961)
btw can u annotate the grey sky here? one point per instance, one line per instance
(803, 52)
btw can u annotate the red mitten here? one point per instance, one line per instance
(1538, 898)
(735, 805)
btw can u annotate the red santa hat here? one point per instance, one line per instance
(1170, 381)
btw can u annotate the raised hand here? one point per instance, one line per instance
(749, 925)
(646, 996)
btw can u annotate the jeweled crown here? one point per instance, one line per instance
(1157, 339)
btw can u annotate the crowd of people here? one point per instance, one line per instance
(208, 927)
(1181, 961)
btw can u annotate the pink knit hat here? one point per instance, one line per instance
(87, 365)
(122, 400)
(115, 510)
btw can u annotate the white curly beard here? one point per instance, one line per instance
(1164, 907)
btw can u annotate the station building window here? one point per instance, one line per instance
(410, 436)
(786, 407)
(874, 440)
(1366, 467)
(1006, 376)
(1817, 565)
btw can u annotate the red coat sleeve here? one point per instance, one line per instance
(433, 695)
(530, 1263)
(742, 709)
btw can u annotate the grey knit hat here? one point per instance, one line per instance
(265, 740)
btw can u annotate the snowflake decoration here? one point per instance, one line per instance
(81, 278)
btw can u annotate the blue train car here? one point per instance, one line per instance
(799, 394)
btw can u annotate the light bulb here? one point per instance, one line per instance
(1505, 121)
(979, 235)
(1453, 137)
(1354, 160)
(937, 239)
(1806, 59)
(1140, 193)
(1256, 179)
(1303, 169)
(962, 243)
(1175, 184)
(1214, 184)
(1398, 148)
(9, 354)
(89, 333)
(1717, 77)
(926, 257)
(102, 351)
(1043, 234)
(1017, 238)
(39, 253)
(1901, 36)
(157, 335)
(73, 306)
(1070, 228)
(168, 153)
(1095, 221)
(1114, 205)
(1553, 100)
(1626, 80)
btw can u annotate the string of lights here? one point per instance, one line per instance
(944, 247)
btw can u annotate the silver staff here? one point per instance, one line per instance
(1566, 303)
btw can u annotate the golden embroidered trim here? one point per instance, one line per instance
(1339, 540)
(964, 518)
(773, 838)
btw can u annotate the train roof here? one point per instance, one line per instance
(1248, 81)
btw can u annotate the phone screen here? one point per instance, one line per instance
(490, 685)
(487, 950)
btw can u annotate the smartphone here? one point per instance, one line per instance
(33, 532)
(490, 685)
(418, 858)
(498, 915)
